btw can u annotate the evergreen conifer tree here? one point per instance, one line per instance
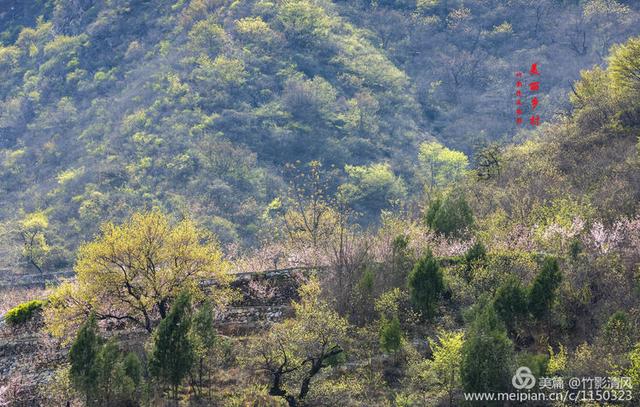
(82, 355)
(426, 285)
(543, 289)
(390, 334)
(486, 354)
(172, 355)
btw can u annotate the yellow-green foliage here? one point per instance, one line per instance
(8, 56)
(562, 211)
(557, 361)
(634, 369)
(207, 36)
(304, 21)
(13, 157)
(436, 378)
(34, 243)
(132, 269)
(227, 71)
(254, 395)
(504, 28)
(315, 334)
(255, 29)
(69, 175)
(23, 312)
(439, 166)
(35, 221)
(372, 186)
(447, 358)
(500, 264)
(426, 5)
(624, 66)
(388, 304)
(593, 84)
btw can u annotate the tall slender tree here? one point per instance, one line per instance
(172, 356)
(82, 355)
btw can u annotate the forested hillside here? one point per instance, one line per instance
(315, 203)
(197, 106)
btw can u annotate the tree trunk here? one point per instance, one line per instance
(162, 308)
(276, 390)
(315, 368)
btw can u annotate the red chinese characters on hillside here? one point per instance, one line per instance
(533, 102)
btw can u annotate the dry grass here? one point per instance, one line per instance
(9, 298)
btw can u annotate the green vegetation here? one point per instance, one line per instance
(440, 166)
(450, 216)
(543, 289)
(301, 347)
(138, 269)
(372, 189)
(82, 356)
(200, 104)
(425, 245)
(24, 312)
(205, 344)
(390, 335)
(447, 362)
(100, 371)
(624, 67)
(173, 355)
(426, 285)
(510, 302)
(486, 354)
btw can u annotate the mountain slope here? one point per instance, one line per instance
(196, 106)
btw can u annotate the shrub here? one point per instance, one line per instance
(510, 302)
(426, 284)
(475, 253)
(543, 289)
(487, 354)
(390, 335)
(538, 363)
(451, 216)
(24, 312)
(618, 331)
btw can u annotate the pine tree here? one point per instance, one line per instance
(204, 339)
(390, 335)
(543, 289)
(451, 216)
(100, 371)
(133, 368)
(510, 302)
(173, 356)
(486, 354)
(117, 381)
(82, 355)
(426, 284)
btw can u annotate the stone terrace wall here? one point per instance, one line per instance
(265, 297)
